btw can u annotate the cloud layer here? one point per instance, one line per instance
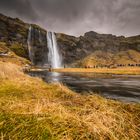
(75, 17)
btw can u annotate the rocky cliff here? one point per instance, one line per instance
(101, 48)
(14, 33)
(90, 49)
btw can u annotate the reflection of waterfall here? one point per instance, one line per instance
(54, 77)
(29, 43)
(54, 56)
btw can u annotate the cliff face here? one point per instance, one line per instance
(39, 46)
(98, 47)
(14, 33)
(74, 49)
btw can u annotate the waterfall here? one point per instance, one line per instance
(54, 57)
(40, 38)
(29, 39)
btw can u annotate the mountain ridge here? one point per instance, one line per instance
(15, 31)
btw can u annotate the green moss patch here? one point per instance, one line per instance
(19, 50)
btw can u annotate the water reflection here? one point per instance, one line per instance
(120, 87)
(53, 77)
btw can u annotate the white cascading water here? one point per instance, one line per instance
(29, 43)
(54, 57)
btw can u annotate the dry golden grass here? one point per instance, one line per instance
(11, 57)
(9, 71)
(33, 110)
(99, 57)
(124, 70)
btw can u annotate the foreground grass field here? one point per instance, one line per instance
(124, 70)
(33, 110)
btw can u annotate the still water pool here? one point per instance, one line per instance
(120, 87)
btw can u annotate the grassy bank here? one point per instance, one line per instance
(125, 70)
(31, 109)
(101, 57)
(10, 56)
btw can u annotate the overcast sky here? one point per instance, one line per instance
(75, 17)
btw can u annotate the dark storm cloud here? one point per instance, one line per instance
(75, 17)
(20, 8)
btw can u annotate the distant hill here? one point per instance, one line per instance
(90, 49)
